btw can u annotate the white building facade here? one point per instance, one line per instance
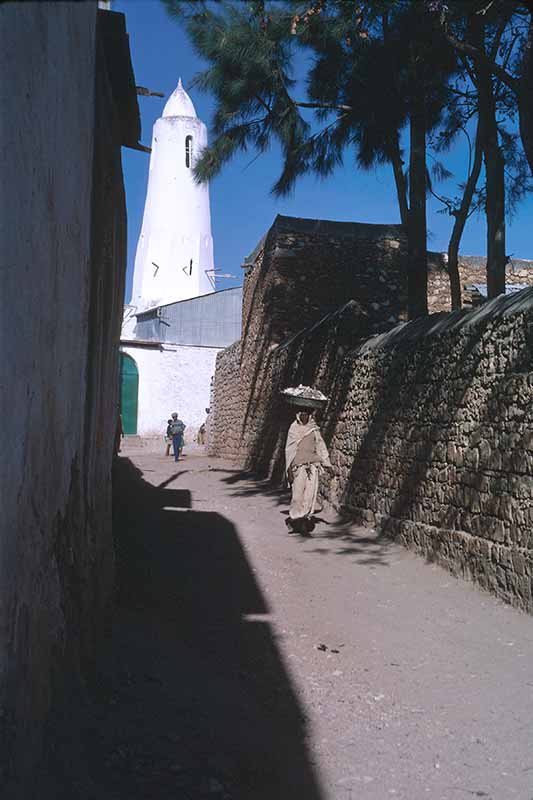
(175, 324)
(170, 378)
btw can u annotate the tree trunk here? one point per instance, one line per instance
(495, 189)
(417, 267)
(494, 174)
(461, 217)
(525, 98)
(399, 180)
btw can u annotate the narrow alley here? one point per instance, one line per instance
(248, 664)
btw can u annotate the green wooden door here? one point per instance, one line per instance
(129, 389)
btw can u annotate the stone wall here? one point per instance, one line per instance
(434, 443)
(301, 272)
(224, 428)
(304, 269)
(63, 242)
(472, 270)
(429, 427)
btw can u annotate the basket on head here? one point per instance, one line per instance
(305, 397)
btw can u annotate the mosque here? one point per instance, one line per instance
(176, 322)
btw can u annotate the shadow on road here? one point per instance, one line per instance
(192, 699)
(348, 539)
(343, 536)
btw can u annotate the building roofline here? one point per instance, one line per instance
(306, 224)
(112, 33)
(140, 343)
(162, 345)
(187, 300)
(287, 224)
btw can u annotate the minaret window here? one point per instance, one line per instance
(188, 151)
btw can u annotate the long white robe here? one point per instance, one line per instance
(304, 478)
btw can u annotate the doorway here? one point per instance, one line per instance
(129, 392)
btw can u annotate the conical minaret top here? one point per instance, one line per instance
(174, 259)
(179, 104)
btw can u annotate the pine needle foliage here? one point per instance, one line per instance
(356, 81)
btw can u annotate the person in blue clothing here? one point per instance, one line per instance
(177, 428)
(168, 438)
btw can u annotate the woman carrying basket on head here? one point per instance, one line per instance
(306, 455)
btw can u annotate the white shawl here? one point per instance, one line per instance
(299, 431)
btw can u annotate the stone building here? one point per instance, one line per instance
(176, 323)
(473, 279)
(428, 422)
(69, 102)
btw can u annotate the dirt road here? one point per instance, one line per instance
(248, 664)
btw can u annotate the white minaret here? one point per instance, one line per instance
(175, 247)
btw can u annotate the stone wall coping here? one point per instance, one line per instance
(437, 260)
(326, 227)
(287, 224)
(450, 322)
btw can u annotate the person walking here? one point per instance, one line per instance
(306, 455)
(177, 428)
(168, 438)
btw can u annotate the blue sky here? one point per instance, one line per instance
(242, 207)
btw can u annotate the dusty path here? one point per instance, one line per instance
(253, 665)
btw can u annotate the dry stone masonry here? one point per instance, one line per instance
(429, 424)
(472, 273)
(434, 443)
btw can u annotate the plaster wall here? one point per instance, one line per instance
(129, 322)
(172, 378)
(62, 229)
(176, 228)
(46, 241)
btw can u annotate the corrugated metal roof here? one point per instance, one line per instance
(210, 320)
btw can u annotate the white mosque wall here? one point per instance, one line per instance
(129, 322)
(172, 378)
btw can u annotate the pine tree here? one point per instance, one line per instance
(514, 67)
(378, 68)
(488, 37)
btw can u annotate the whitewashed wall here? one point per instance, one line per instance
(63, 266)
(176, 228)
(173, 378)
(129, 321)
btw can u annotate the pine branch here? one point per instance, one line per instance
(331, 106)
(481, 58)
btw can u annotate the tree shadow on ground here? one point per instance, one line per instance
(251, 485)
(353, 539)
(367, 546)
(192, 699)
